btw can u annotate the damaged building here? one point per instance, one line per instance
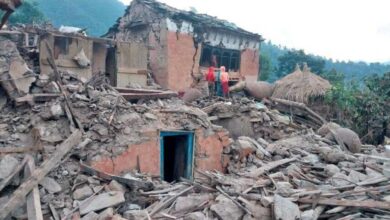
(170, 143)
(182, 44)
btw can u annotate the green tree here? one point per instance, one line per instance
(363, 108)
(333, 76)
(265, 67)
(28, 13)
(288, 61)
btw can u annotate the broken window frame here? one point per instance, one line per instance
(224, 57)
(61, 45)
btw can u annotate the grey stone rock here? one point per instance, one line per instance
(90, 216)
(194, 216)
(7, 165)
(115, 186)
(285, 209)
(82, 193)
(191, 201)
(135, 214)
(225, 209)
(102, 201)
(331, 169)
(50, 185)
(56, 110)
(106, 214)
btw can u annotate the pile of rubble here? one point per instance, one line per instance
(245, 117)
(301, 177)
(275, 168)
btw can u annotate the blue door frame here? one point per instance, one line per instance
(190, 150)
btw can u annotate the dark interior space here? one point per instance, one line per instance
(175, 157)
(111, 66)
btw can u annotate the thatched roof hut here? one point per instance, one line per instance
(301, 86)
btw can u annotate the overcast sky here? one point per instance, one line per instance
(357, 30)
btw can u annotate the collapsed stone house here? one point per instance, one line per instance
(167, 140)
(122, 62)
(182, 44)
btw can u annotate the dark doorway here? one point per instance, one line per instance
(111, 70)
(176, 155)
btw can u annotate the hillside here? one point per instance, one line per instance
(352, 70)
(95, 15)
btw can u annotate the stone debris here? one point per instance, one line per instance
(274, 166)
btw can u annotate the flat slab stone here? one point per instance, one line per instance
(285, 209)
(50, 185)
(102, 201)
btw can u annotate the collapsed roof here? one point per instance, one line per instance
(202, 20)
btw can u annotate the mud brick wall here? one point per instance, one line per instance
(208, 154)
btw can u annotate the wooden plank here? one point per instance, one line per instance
(11, 150)
(133, 183)
(39, 97)
(21, 192)
(148, 96)
(162, 205)
(34, 209)
(131, 90)
(270, 166)
(347, 203)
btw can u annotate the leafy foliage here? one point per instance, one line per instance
(288, 61)
(28, 13)
(265, 67)
(352, 70)
(364, 108)
(95, 15)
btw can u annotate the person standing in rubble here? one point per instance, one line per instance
(225, 82)
(210, 77)
(218, 84)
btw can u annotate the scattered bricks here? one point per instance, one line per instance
(50, 185)
(222, 134)
(227, 141)
(102, 201)
(225, 160)
(244, 148)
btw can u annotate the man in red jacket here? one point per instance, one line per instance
(210, 77)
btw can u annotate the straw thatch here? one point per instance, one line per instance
(301, 86)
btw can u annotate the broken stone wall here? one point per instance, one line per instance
(145, 156)
(183, 61)
(175, 45)
(144, 26)
(249, 66)
(65, 49)
(15, 76)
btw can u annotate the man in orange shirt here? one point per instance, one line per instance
(225, 81)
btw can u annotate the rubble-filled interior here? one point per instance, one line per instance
(76, 147)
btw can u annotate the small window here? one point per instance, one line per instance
(217, 55)
(225, 61)
(234, 62)
(220, 57)
(61, 46)
(206, 58)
